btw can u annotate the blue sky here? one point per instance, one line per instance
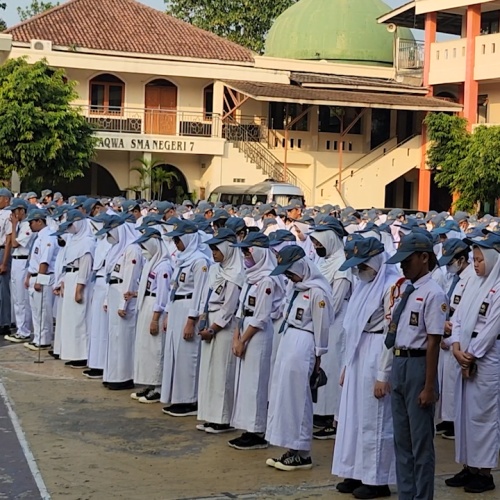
(10, 15)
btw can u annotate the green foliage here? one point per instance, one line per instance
(465, 163)
(35, 8)
(42, 136)
(3, 25)
(153, 177)
(245, 22)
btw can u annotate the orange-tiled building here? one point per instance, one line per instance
(331, 113)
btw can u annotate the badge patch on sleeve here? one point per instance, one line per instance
(414, 318)
(322, 304)
(268, 291)
(182, 277)
(204, 269)
(299, 314)
(251, 301)
(484, 308)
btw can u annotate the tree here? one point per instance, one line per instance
(152, 177)
(42, 136)
(3, 24)
(465, 163)
(245, 22)
(34, 8)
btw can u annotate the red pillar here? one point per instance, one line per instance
(424, 177)
(471, 87)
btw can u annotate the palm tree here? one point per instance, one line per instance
(152, 178)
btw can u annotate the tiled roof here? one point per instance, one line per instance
(351, 81)
(126, 26)
(293, 93)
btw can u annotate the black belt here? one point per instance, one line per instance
(2, 247)
(71, 269)
(183, 297)
(115, 281)
(150, 294)
(34, 275)
(410, 353)
(377, 332)
(475, 334)
(247, 313)
(23, 257)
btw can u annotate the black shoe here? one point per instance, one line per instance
(55, 356)
(152, 396)
(82, 363)
(449, 434)
(218, 428)
(367, 491)
(5, 330)
(120, 386)
(326, 433)
(349, 485)
(16, 338)
(292, 461)
(320, 421)
(464, 477)
(93, 373)
(182, 410)
(249, 441)
(480, 483)
(443, 427)
(143, 392)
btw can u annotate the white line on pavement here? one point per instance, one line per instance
(35, 471)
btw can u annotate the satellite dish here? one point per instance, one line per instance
(391, 28)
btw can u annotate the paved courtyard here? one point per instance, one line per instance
(85, 442)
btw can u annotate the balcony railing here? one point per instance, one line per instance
(410, 55)
(153, 121)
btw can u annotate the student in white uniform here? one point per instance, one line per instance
(98, 336)
(76, 297)
(5, 241)
(179, 388)
(152, 299)
(21, 241)
(124, 266)
(252, 342)
(327, 237)
(218, 364)
(364, 448)
(39, 280)
(456, 260)
(417, 325)
(476, 347)
(309, 314)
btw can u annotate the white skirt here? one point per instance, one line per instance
(364, 447)
(98, 325)
(149, 349)
(216, 382)
(252, 382)
(290, 419)
(119, 365)
(74, 321)
(448, 372)
(181, 360)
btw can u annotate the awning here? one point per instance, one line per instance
(406, 17)
(275, 92)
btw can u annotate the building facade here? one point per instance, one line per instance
(325, 108)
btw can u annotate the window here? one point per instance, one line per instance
(490, 22)
(106, 95)
(281, 113)
(208, 101)
(329, 120)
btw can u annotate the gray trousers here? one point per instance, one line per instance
(413, 431)
(5, 305)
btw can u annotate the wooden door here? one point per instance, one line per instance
(161, 109)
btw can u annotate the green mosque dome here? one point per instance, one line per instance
(344, 31)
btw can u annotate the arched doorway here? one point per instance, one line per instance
(95, 182)
(175, 189)
(161, 107)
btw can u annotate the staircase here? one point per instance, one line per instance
(257, 153)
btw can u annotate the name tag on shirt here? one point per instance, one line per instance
(36, 250)
(484, 308)
(299, 314)
(117, 268)
(456, 299)
(251, 301)
(414, 316)
(182, 277)
(218, 291)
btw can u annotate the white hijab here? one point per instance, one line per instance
(474, 294)
(335, 256)
(192, 252)
(159, 255)
(366, 299)
(125, 235)
(264, 264)
(230, 269)
(82, 241)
